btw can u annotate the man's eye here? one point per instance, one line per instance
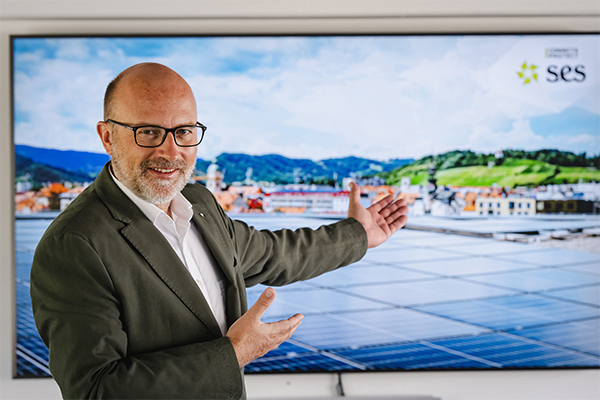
(183, 132)
(149, 132)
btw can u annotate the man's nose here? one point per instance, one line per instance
(169, 148)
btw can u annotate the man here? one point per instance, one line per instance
(138, 287)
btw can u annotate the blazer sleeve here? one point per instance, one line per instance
(284, 256)
(78, 315)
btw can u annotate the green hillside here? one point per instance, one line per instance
(416, 172)
(512, 172)
(572, 175)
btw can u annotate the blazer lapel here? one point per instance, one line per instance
(222, 254)
(157, 251)
(215, 242)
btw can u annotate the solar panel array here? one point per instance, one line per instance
(32, 354)
(427, 300)
(423, 300)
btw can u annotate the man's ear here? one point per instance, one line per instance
(105, 136)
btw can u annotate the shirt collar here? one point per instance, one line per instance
(180, 206)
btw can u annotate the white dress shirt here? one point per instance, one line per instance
(190, 246)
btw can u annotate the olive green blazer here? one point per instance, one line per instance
(120, 313)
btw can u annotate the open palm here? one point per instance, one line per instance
(381, 219)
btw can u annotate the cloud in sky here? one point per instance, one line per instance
(322, 97)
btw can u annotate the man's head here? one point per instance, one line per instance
(149, 94)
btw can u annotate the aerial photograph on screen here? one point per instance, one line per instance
(493, 140)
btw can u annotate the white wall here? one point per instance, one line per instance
(30, 17)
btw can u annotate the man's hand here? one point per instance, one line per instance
(380, 220)
(251, 338)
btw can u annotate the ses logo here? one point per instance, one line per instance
(565, 71)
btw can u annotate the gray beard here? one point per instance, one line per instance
(153, 190)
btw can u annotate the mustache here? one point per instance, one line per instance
(163, 164)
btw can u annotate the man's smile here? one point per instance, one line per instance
(164, 171)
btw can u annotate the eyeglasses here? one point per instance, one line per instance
(154, 136)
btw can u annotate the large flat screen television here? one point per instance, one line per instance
(494, 141)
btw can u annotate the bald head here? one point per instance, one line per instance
(142, 84)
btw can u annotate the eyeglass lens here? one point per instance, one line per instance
(153, 136)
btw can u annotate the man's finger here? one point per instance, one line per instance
(354, 194)
(394, 209)
(398, 223)
(390, 209)
(286, 323)
(381, 204)
(263, 303)
(296, 319)
(286, 327)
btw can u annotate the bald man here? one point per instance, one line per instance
(138, 287)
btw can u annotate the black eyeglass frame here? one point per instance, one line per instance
(167, 131)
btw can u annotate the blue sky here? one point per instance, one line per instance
(323, 97)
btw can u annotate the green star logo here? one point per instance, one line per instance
(527, 73)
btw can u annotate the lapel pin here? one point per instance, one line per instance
(202, 215)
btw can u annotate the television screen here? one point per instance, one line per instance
(493, 140)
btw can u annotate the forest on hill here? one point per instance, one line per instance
(511, 168)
